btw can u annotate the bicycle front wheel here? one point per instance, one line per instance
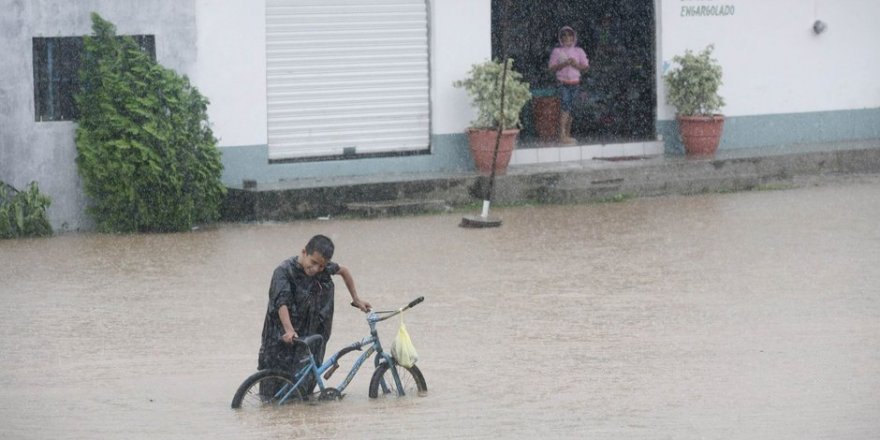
(266, 387)
(382, 384)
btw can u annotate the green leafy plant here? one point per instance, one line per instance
(23, 213)
(483, 84)
(147, 155)
(692, 86)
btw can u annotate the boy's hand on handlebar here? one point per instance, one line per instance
(361, 304)
(288, 337)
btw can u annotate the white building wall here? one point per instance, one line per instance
(774, 65)
(460, 37)
(773, 61)
(231, 64)
(231, 68)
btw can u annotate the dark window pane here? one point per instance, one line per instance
(56, 74)
(67, 79)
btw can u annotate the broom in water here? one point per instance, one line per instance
(484, 220)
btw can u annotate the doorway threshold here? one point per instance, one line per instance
(534, 152)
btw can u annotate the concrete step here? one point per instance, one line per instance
(581, 181)
(396, 207)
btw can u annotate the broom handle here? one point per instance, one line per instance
(501, 119)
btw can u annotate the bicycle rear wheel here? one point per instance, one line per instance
(382, 384)
(266, 387)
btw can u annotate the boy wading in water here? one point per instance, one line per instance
(301, 304)
(568, 62)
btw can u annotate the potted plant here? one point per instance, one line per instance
(545, 111)
(692, 88)
(483, 84)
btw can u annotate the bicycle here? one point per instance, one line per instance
(276, 387)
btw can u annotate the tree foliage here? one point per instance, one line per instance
(692, 86)
(147, 155)
(23, 213)
(483, 84)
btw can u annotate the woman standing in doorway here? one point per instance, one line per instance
(568, 62)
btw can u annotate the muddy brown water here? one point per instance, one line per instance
(748, 315)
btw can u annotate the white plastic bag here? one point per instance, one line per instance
(402, 349)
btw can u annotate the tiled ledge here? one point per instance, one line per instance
(576, 153)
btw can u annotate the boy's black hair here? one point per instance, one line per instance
(322, 245)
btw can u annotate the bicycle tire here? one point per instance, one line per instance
(250, 396)
(382, 382)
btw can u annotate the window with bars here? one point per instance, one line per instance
(56, 74)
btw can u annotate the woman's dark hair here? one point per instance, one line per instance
(322, 245)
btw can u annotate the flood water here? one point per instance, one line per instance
(749, 315)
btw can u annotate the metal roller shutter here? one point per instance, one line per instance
(345, 74)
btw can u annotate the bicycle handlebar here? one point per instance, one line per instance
(307, 340)
(415, 302)
(412, 304)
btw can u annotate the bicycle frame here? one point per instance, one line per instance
(312, 368)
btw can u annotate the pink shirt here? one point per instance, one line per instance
(568, 74)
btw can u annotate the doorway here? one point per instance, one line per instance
(618, 92)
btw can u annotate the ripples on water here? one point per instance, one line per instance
(750, 315)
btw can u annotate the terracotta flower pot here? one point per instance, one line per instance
(482, 143)
(701, 134)
(546, 111)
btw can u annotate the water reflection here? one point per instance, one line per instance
(750, 315)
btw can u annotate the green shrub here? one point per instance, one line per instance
(147, 155)
(483, 84)
(23, 213)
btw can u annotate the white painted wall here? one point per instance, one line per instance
(773, 62)
(231, 64)
(460, 37)
(231, 68)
